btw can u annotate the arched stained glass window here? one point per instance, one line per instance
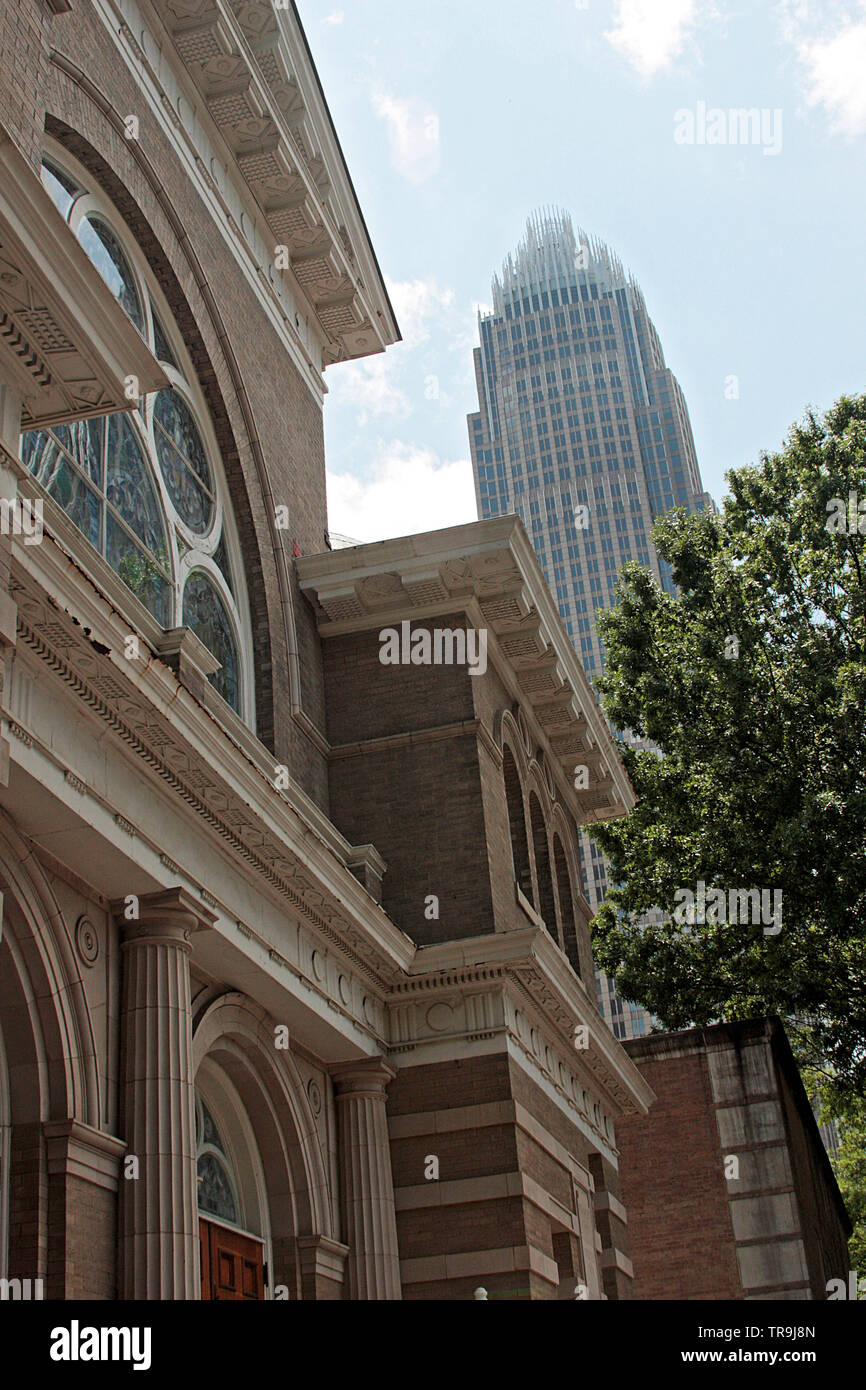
(183, 461)
(217, 1187)
(206, 614)
(145, 486)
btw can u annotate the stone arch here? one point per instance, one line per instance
(100, 165)
(50, 1067)
(237, 1035)
(50, 1047)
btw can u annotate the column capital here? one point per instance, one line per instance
(168, 917)
(368, 1076)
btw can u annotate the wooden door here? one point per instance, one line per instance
(232, 1265)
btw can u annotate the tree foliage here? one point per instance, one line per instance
(761, 778)
(847, 1113)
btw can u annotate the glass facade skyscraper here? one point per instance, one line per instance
(583, 430)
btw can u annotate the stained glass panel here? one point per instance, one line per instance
(204, 612)
(215, 1194)
(49, 464)
(108, 256)
(183, 460)
(129, 488)
(137, 570)
(221, 560)
(108, 474)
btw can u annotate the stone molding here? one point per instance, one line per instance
(320, 1258)
(517, 984)
(80, 1151)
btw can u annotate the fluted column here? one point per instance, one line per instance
(367, 1188)
(159, 1209)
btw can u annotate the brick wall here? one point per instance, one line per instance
(681, 1239)
(404, 787)
(82, 1239)
(491, 1218)
(25, 31)
(28, 1203)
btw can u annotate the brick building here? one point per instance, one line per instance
(728, 1186)
(296, 996)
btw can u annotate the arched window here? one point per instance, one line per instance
(146, 487)
(566, 905)
(517, 824)
(217, 1185)
(545, 904)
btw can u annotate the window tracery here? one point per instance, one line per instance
(145, 487)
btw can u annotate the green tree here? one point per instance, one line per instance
(751, 683)
(848, 1114)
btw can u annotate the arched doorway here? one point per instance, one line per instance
(232, 1207)
(278, 1170)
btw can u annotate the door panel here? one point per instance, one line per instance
(232, 1265)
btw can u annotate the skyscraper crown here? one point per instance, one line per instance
(553, 256)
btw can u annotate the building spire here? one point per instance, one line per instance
(553, 256)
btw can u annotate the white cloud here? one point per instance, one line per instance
(413, 135)
(416, 304)
(371, 385)
(408, 489)
(336, 18)
(651, 34)
(833, 61)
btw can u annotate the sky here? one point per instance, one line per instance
(460, 118)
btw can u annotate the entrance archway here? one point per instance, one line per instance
(232, 1208)
(279, 1176)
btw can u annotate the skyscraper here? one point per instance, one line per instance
(584, 431)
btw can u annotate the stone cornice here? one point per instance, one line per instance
(489, 571)
(529, 960)
(66, 345)
(81, 638)
(252, 68)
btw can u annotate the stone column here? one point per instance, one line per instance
(367, 1188)
(159, 1210)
